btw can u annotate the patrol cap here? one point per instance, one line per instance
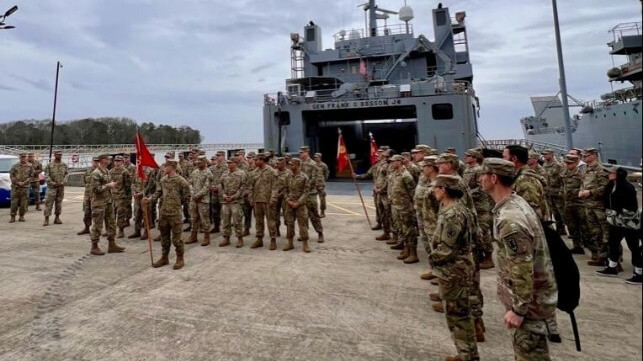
(56, 152)
(318, 155)
(240, 152)
(288, 156)
(295, 161)
(30, 154)
(571, 158)
(126, 154)
(22, 154)
(305, 148)
(95, 159)
(384, 148)
(498, 166)
(546, 151)
(448, 158)
(213, 158)
(397, 158)
(421, 147)
(169, 155)
(533, 154)
(473, 153)
(590, 151)
(221, 152)
(172, 162)
(450, 150)
(262, 156)
(433, 152)
(118, 158)
(233, 160)
(406, 154)
(280, 159)
(449, 182)
(429, 161)
(104, 156)
(415, 150)
(202, 152)
(202, 157)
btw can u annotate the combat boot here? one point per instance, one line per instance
(320, 237)
(95, 250)
(179, 259)
(46, 222)
(453, 358)
(290, 245)
(38, 207)
(21, 218)
(246, 232)
(391, 241)
(479, 326)
(405, 252)
(398, 246)
(145, 235)
(377, 227)
(188, 228)
(206, 239)
(427, 276)
(435, 297)
(13, 219)
(413, 255)
(225, 242)
(598, 262)
(258, 243)
(438, 307)
(192, 238)
(57, 219)
(157, 238)
(163, 261)
(487, 263)
(577, 250)
(273, 244)
(306, 249)
(215, 229)
(239, 242)
(136, 234)
(384, 237)
(121, 233)
(84, 231)
(113, 247)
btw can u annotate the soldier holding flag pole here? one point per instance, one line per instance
(343, 161)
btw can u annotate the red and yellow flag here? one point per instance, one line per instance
(342, 154)
(373, 149)
(143, 156)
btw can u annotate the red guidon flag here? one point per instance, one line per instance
(342, 154)
(143, 156)
(373, 149)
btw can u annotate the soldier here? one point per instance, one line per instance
(187, 166)
(200, 184)
(592, 190)
(296, 194)
(532, 162)
(429, 207)
(528, 184)
(103, 207)
(87, 197)
(151, 175)
(119, 175)
(526, 283)
(316, 182)
(35, 184)
(278, 198)
(461, 166)
(574, 210)
(55, 174)
(372, 173)
(263, 182)
(245, 205)
(453, 263)
(413, 169)
(218, 168)
(21, 175)
(421, 188)
(401, 191)
(322, 194)
(554, 174)
(131, 169)
(232, 189)
(174, 190)
(138, 192)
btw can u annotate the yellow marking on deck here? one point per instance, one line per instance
(344, 209)
(355, 203)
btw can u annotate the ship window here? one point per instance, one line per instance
(442, 111)
(353, 69)
(310, 34)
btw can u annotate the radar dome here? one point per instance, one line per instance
(354, 34)
(406, 13)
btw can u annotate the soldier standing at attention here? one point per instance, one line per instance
(554, 175)
(429, 208)
(218, 168)
(35, 184)
(526, 283)
(402, 189)
(322, 193)
(87, 197)
(103, 207)
(461, 166)
(245, 205)
(188, 166)
(119, 175)
(279, 195)
(138, 191)
(420, 190)
(232, 191)
(21, 175)
(314, 174)
(372, 173)
(453, 264)
(574, 210)
(528, 184)
(532, 162)
(150, 188)
(263, 181)
(413, 169)
(174, 190)
(200, 183)
(131, 169)
(296, 194)
(55, 174)
(592, 190)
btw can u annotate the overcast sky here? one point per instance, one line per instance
(206, 63)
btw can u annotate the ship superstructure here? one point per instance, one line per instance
(384, 80)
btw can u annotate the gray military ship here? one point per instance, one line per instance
(385, 80)
(612, 124)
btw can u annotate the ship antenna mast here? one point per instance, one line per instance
(563, 83)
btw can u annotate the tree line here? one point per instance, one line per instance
(105, 130)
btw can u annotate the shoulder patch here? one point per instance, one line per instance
(512, 244)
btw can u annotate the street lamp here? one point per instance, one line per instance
(5, 15)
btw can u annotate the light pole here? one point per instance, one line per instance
(53, 117)
(5, 15)
(563, 82)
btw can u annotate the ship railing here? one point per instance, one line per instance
(386, 30)
(629, 28)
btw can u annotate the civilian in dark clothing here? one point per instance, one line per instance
(620, 195)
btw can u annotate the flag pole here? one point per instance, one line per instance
(350, 164)
(145, 204)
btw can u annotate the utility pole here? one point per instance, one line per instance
(563, 82)
(53, 117)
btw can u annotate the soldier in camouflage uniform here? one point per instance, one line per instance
(296, 193)
(554, 174)
(131, 169)
(420, 190)
(119, 175)
(150, 188)
(429, 208)
(245, 204)
(21, 175)
(411, 167)
(87, 197)
(594, 181)
(187, 167)
(401, 191)
(528, 184)
(279, 204)
(373, 173)
(218, 168)
(55, 174)
(532, 162)
(574, 210)
(200, 184)
(103, 207)
(316, 184)
(138, 192)
(174, 190)
(232, 190)
(35, 184)
(526, 283)
(263, 183)
(461, 166)
(322, 193)
(453, 264)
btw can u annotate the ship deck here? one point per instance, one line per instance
(349, 299)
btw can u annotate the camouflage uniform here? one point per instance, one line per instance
(314, 174)
(574, 209)
(102, 205)
(383, 204)
(262, 185)
(297, 188)
(279, 204)
(246, 207)
(138, 191)
(187, 167)
(200, 183)
(373, 173)
(414, 170)
(453, 265)
(429, 208)
(20, 194)
(554, 174)
(530, 186)
(233, 184)
(131, 169)
(402, 187)
(55, 174)
(123, 181)
(174, 191)
(35, 184)
(418, 200)
(526, 283)
(322, 193)
(150, 188)
(87, 198)
(594, 180)
(483, 205)
(217, 171)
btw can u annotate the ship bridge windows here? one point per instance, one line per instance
(442, 111)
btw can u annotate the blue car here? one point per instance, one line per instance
(6, 162)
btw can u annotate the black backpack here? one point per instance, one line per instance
(567, 276)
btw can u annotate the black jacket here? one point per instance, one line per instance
(624, 197)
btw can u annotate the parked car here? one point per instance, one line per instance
(6, 162)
